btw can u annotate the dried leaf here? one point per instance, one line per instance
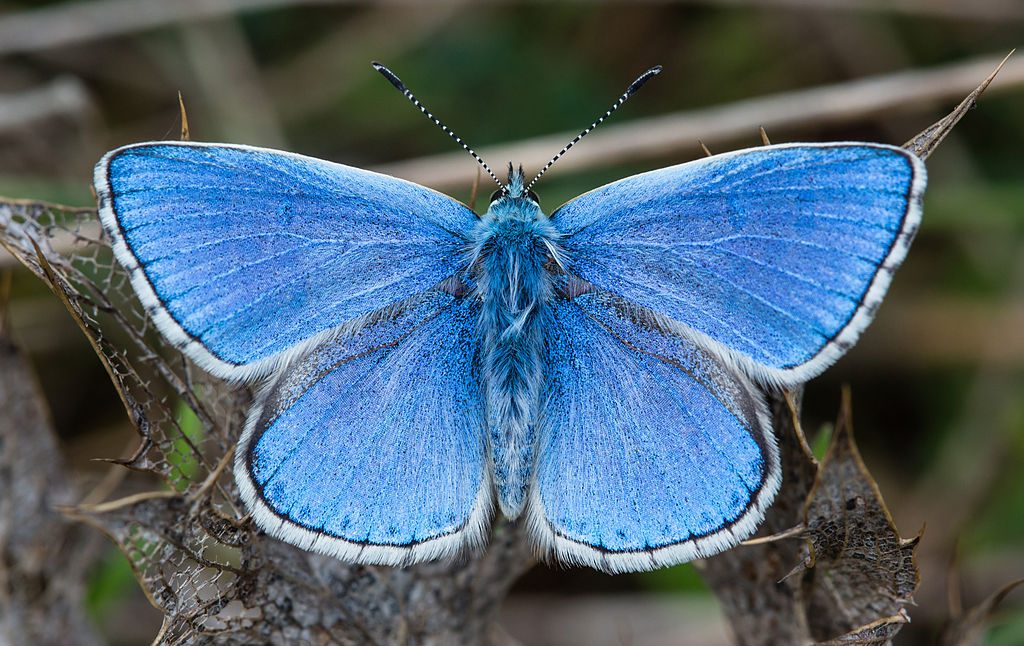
(848, 581)
(859, 568)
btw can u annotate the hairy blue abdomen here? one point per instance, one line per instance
(514, 245)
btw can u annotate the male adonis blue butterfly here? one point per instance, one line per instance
(597, 373)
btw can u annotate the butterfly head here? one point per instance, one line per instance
(513, 199)
(514, 231)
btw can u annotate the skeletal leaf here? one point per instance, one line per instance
(847, 582)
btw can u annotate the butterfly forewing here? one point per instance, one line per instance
(778, 255)
(245, 255)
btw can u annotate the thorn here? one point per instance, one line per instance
(185, 134)
(761, 540)
(764, 136)
(707, 152)
(927, 140)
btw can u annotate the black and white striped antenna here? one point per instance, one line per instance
(397, 82)
(633, 87)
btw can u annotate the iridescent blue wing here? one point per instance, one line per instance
(652, 452)
(247, 257)
(371, 447)
(778, 255)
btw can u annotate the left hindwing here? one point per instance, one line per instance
(652, 452)
(371, 447)
(776, 256)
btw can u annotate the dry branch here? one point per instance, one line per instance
(984, 10)
(61, 97)
(43, 557)
(80, 22)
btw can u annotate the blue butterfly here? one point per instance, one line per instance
(598, 373)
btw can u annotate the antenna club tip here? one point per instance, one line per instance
(643, 78)
(389, 75)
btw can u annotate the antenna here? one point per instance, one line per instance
(633, 87)
(397, 82)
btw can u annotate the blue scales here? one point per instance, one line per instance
(598, 373)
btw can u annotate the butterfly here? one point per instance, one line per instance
(598, 373)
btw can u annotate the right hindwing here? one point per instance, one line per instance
(652, 450)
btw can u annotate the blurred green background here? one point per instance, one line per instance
(937, 380)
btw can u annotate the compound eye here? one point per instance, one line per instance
(496, 195)
(533, 196)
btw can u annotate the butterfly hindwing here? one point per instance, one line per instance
(371, 447)
(777, 255)
(652, 451)
(243, 256)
